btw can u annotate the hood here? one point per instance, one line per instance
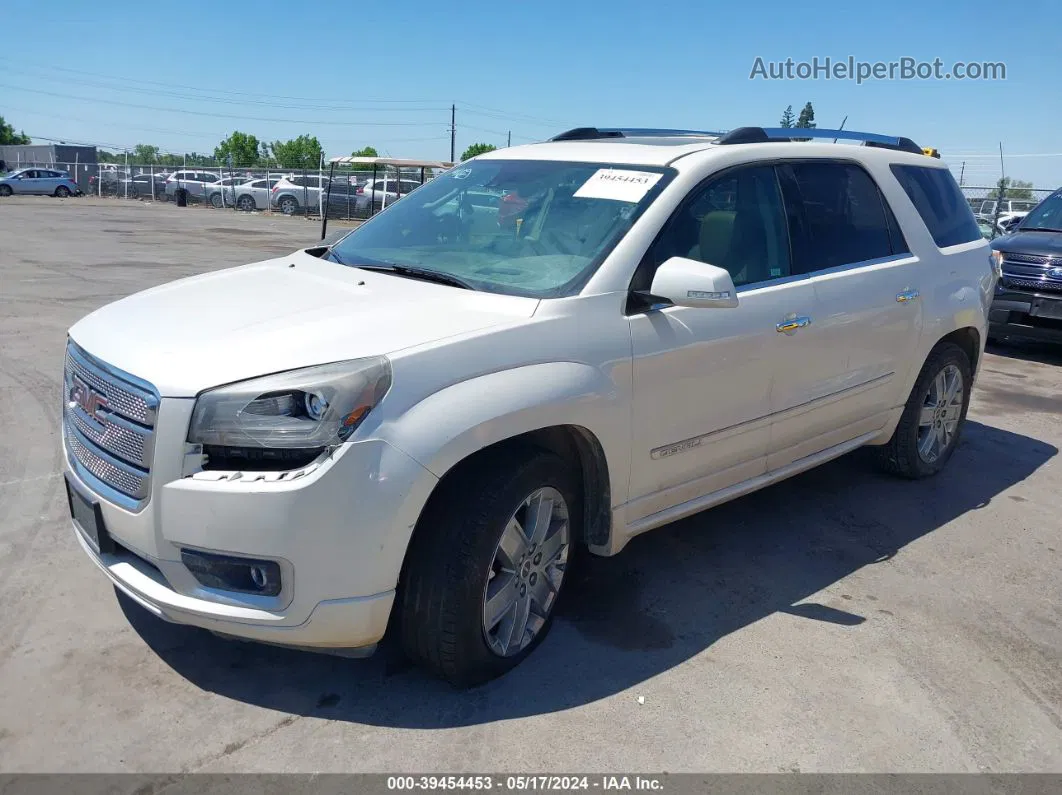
(1030, 242)
(281, 314)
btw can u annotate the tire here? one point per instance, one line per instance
(288, 205)
(216, 201)
(456, 561)
(62, 192)
(246, 203)
(5, 190)
(906, 453)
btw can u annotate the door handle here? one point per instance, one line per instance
(793, 324)
(906, 295)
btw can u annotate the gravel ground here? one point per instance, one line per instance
(840, 621)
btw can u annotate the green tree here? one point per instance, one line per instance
(788, 118)
(301, 152)
(242, 147)
(1018, 189)
(365, 151)
(477, 149)
(807, 117)
(144, 153)
(9, 136)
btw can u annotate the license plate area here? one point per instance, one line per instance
(88, 517)
(1046, 307)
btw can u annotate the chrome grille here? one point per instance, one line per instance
(125, 400)
(1031, 259)
(132, 483)
(109, 420)
(118, 439)
(1032, 284)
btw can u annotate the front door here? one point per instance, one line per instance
(703, 377)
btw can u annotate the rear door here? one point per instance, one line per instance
(869, 318)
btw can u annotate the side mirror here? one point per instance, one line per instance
(687, 282)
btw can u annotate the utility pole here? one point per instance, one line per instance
(453, 133)
(509, 139)
(962, 170)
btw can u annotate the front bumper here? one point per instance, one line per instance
(1031, 315)
(339, 534)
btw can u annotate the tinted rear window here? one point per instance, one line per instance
(940, 203)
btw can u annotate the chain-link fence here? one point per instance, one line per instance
(999, 217)
(348, 193)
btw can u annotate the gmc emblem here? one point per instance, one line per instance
(86, 398)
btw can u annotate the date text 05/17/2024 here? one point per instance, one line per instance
(532, 783)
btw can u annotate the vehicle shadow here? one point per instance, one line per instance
(1027, 350)
(668, 597)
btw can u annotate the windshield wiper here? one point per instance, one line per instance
(420, 273)
(1038, 229)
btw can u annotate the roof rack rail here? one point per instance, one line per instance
(596, 133)
(751, 135)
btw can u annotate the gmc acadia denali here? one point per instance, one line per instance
(547, 348)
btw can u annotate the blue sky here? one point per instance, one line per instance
(184, 75)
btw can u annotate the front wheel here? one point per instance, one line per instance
(246, 203)
(932, 420)
(486, 566)
(217, 201)
(62, 192)
(5, 190)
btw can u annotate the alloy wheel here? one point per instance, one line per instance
(941, 412)
(526, 572)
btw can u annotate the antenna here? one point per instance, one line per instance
(841, 127)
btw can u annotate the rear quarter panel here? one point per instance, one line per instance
(955, 283)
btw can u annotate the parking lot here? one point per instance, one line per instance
(840, 621)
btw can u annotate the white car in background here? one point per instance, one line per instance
(549, 348)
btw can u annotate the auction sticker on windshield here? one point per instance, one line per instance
(618, 184)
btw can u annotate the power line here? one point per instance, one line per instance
(223, 115)
(229, 101)
(124, 79)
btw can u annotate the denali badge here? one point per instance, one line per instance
(88, 399)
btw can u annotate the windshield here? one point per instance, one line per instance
(1046, 216)
(534, 228)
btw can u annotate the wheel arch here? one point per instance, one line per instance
(570, 409)
(969, 340)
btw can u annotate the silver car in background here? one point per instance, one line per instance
(38, 182)
(254, 195)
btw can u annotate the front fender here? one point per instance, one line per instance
(453, 423)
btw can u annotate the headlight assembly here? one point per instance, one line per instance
(311, 408)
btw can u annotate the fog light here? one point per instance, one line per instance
(227, 573)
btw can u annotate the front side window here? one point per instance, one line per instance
(1046, 216)
(940, 202)
(535, 228)
(837, 215)
(736, 222)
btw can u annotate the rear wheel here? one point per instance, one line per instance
(246, 203)
(288, 205)
(62, 192)
(487, 564)
(932, 420)
(217, 201)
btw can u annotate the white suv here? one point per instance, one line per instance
(548, 347)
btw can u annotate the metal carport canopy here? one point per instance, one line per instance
(391, 161)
